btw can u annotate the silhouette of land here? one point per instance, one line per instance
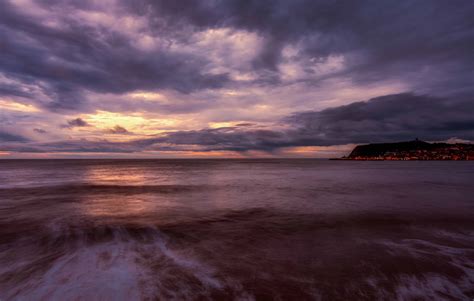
(412, 150)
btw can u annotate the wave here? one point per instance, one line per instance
(249, 254)
(98, 189)
(117, 268)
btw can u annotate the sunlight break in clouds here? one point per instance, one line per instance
(6, 104)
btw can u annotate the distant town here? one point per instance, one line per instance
(412, 150)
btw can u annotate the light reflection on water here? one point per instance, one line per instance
(104, 175)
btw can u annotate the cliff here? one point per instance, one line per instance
(413, 150)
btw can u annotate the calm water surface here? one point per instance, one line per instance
(236, 230)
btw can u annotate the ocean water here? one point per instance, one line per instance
(236, 230)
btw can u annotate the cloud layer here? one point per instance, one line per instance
(132, 76)
(388, 118)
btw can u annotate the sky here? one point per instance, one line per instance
(210, 78)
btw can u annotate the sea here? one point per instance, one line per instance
(236, 229)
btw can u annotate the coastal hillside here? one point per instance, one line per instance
(413, 150)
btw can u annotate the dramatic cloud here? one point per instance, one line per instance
(375, 39)
(213, 75)
(63, 58)
(388, 118)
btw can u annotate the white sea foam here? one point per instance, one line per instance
(434, 286)
(115, 271)
(95, 273)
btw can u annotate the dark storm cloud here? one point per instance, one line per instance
(12, 90)
(228, 138)
(379, 39)
(382, 39)
(387, 118)
(68, 60)
(61, 56)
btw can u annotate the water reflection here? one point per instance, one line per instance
(100, 175)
